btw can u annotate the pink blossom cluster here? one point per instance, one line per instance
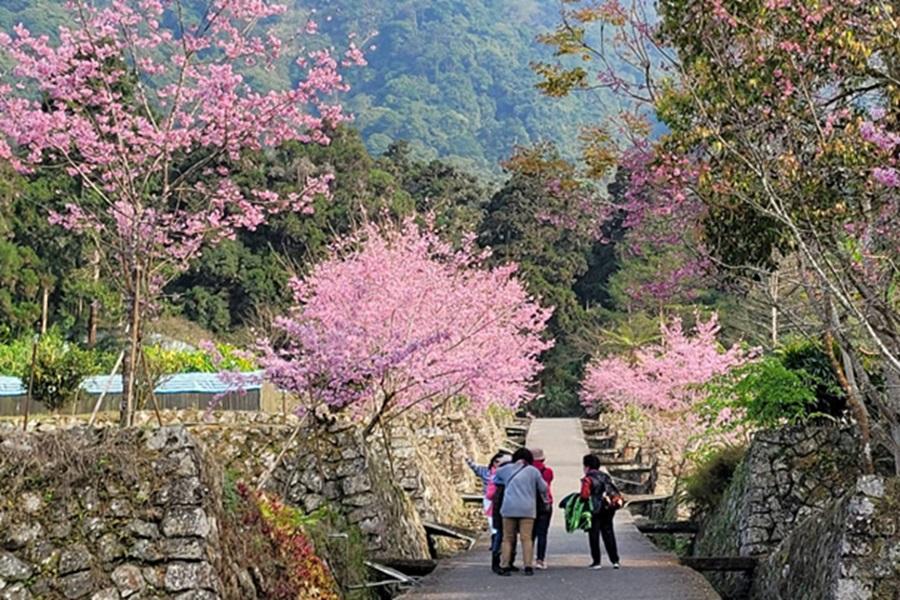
(664, 218)
(151, 117)
(397, 318)
(663, 377)
(662, 383)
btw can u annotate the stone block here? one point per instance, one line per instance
(185, 522)
(17, 591)
(146, 551)
(19, 535)
(109, 548)
(154, 576)
(76, 585)
(120, 508)
(870, 485)
(94, 527)
(852, 589)
(31, 503)
(43, 553)
(129, 580)
(183, 549)
(183, 576)
(13, 569)
(75, 558)
(106, 594)
(180, 492)
(142, 529)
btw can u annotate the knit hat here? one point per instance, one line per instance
(537, 454)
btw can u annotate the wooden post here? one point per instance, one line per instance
(115, 369)
(34, 350)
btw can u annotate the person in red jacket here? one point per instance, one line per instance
(542, 522)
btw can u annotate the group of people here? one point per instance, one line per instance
(518, 503)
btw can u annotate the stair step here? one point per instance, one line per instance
(631, 468)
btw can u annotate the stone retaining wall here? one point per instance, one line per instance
(631, 439)
(139, 518)
(849, 551)
(786, 476)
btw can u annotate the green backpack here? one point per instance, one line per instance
(578, 513)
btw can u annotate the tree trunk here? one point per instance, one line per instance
(94, 314)
(132, 350)
(773, 291)
(858, 408)
(45, 308)
(892, 407)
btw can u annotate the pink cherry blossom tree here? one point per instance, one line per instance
(663, 381)
(397, 319)
(154, 119)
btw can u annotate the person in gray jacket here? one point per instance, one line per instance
(523, 488)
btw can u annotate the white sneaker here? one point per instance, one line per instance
(596, 567)
(615, 565)
(540, 564)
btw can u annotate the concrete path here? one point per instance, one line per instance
(646, 573)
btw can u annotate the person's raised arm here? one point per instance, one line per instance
(480, 470)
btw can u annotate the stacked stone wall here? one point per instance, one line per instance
(631, 439)
(112, 514)
(786, 476)
(428, 455)
(848, 551)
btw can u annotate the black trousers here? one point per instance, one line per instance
(541, 529)
(602, 525)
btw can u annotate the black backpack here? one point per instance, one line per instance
(604, 493)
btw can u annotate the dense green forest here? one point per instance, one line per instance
(451, 77)
(234, 290)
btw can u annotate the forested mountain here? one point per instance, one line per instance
(452, 77)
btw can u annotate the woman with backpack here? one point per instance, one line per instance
(523, 487)
(545, 512)
(605, 500)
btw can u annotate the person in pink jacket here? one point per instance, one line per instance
(542, 522)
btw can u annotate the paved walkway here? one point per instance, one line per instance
(646, 573)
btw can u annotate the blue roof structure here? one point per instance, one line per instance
(180, 383)
(11, 386)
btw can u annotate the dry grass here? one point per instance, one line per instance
(62, 461)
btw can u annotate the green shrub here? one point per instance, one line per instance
(707, 482)
(168, 361)
(763, 393)
(808, 359)
(59, 369)
(15, 356)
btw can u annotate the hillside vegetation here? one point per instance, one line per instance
(452, 77)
